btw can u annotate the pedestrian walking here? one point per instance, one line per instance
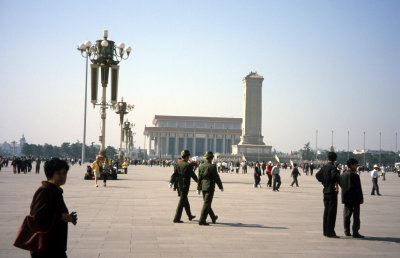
(37, 168)
(295, 174)
(375, 175)
(97, 167)
(208, 177)
(277, 178)
(269, 170)
(184, 171)
(257, 175)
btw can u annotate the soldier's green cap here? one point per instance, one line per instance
(185, 153)
(209, 155)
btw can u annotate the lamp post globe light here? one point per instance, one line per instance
(105, 55)
(122, 108)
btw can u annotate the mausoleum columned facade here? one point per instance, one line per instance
(172, 134)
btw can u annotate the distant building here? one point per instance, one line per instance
(22, 142)
(13, 148)
(172, 134)
(373, 152)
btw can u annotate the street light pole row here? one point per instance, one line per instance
(364, 150)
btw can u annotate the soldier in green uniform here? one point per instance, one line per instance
(183, 171)
(208, 176)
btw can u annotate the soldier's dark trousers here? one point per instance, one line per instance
(183, 203)
(330, 211)
(257, 180)
(375, 186)
(269, 180)
(311, 171)
(349, 210)
(37, 169)
(277, 182)
(207, 210)
(294, 181)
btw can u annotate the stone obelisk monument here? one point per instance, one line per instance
(251, 143)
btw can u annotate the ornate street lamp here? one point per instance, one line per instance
(131, 142)
(127, 128)
(122, 108)
(105, 55)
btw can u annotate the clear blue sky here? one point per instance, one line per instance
(328, 65)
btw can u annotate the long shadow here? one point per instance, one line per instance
(383, 239)
(225, 224)
(397, 196)
(241, 183)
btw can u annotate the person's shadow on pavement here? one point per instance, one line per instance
(383, 239)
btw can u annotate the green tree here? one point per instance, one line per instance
(111, 151)
(306, 152)
(75, 150)
(65, 149)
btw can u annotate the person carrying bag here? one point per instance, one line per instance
(44, 232)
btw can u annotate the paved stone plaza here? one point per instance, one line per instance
(132, 217)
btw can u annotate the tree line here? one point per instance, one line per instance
(66, 150)
(386, 158)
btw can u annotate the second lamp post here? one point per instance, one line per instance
(122, 109)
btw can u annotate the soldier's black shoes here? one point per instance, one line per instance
(347, 233)
(215, 219)
(357, 235)
(178, 221)
(192, 217)
(204, 224)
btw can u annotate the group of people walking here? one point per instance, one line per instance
(208, 177)
(273, 173)
(24, 164)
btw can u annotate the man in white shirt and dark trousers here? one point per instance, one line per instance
(374, 176)
(277, 178)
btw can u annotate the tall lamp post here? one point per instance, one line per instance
(131, 134)
(380, 148)
(127, 131)
(316, 145)
(122, 108)
(85, 52)
(105, 55)
(395, 150)
(364, 150)
(348, 145)
(13, 144)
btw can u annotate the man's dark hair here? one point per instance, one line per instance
(53, 165)
(351, 162)
(294, 164)
(332, 156)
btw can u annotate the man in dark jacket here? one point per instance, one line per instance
(183, 171)
(295, 174)
(208, 177)
(328, 175)
(352, 197)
